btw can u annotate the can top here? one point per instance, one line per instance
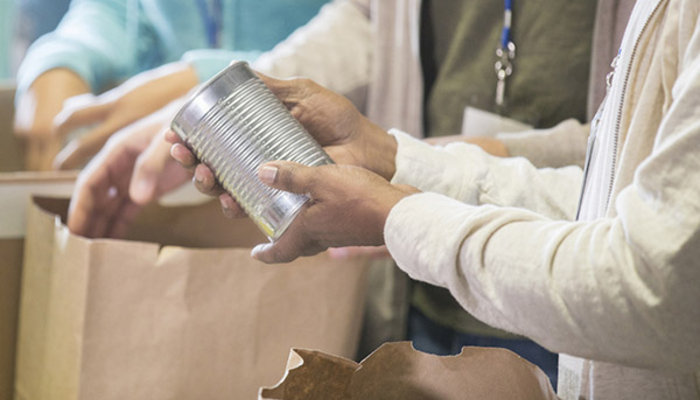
(208, 95)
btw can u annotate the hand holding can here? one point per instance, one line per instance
(234, 124)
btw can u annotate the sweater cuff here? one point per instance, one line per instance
(44, 56)
(418, 235)
(208, 62)
(457, 174)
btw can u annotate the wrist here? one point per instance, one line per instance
(383, 205)
(380, 150)
(386, 203)
(44, 99)
(495, 147)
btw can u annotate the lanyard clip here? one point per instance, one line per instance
(505, 54)
(504, 65)
(504, 69)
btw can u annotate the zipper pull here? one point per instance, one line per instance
(609, 77)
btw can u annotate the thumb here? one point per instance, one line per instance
(155, 173)
(287, 176)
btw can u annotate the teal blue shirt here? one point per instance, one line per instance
(108, 41)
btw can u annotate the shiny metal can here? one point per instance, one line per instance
(234, 124)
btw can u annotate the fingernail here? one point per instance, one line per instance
(224, 201)
(339, 253)
(143, 190)
(225, 206)
(268, 174)
(228, 213)
(259, 249)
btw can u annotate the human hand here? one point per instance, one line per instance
(348, 206)
(347, 136)
(133, 169)
(36, 111)
(111, 111)
(345, 253)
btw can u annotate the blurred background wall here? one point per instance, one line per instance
(6, 27)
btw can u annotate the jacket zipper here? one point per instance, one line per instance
(618, 121)
(595, 125)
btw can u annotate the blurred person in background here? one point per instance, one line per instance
(34, 18)
(101, 43)
(374, 68)
(6, 18)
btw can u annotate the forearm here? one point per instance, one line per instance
(39, 105)
(614, 290)
(92, 40)
(378, 149)
(621, 289)
(153, 89)
(562, 145)
(494, 147)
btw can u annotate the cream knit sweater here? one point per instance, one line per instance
(618, 290)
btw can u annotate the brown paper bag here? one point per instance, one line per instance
(119, 319)
(396, 371)
(11, 159)
(16, 187)
(10, 272)
(10, 256)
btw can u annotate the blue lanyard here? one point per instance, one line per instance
(507, 22)
(212, 20)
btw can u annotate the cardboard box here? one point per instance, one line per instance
(396, 371)
(15, 189)
(175, 312)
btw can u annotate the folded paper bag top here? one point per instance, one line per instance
(396, 371)
(118, 319)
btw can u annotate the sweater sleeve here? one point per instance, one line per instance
(621, 289)
(559, 146)
(208, 62)
(93, 41)
(466, 173)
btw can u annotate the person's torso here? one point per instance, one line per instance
(548, 85)
(549, 80)
(385, 105)
(636, 74)
(241, 25)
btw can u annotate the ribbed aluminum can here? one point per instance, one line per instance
(234, 124)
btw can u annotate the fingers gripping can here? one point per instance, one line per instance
(234, 124)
